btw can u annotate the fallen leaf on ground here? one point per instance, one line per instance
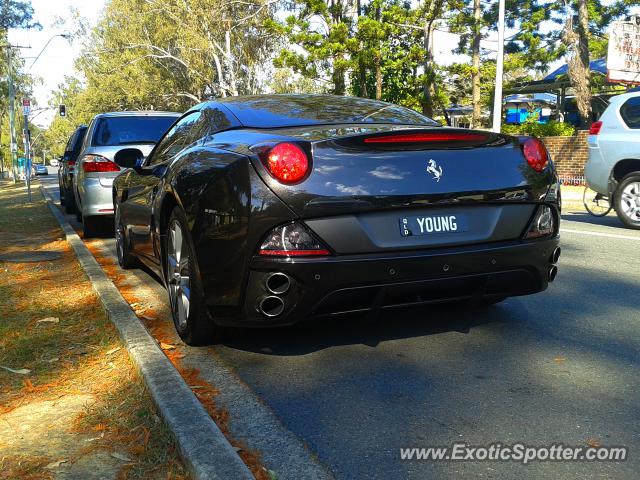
(49, 320)
(93, 439)
(593, 442)
(53, 360)
(146, 317)
(560, 359)
(120, 456)
(56, 464)
(167, 346)
(112, 351)
(99, 427)
(21, 371)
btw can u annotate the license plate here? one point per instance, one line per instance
(432, 224)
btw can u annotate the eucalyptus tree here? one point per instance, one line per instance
(173, 53)
(580, 35)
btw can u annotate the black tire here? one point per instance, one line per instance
(195, 327)
(61, 190)
(626, 194)
(69, 202)
(123, 250)
(91, 226)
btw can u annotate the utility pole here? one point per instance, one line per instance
(497, 97)
(12, 115)
(26, 109)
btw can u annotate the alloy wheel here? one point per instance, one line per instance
(630, 201)
(178, 274)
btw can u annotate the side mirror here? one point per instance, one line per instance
(129, 158)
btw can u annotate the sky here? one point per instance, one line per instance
(56, 60)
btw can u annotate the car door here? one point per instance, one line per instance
(143, 185)
(629, 145)
(65, 169)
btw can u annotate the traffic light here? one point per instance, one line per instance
(63, 111)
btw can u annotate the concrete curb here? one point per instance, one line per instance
(205, 451)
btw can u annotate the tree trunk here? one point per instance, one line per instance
(339, 86)
(378, 78)
(579, 70)
(427, 97)
(475, 73)
(233, 84)
(378, 60)
(338, 73)
(362, 66)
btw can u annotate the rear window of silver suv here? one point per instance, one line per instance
(630, 112)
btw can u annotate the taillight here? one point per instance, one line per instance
(595, 128)
(292, 240)
(71, 163)
(286, 162)
(535, 153)
(542, 225)
(435, 137)
(98, 163)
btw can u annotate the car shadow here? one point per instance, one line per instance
(611, 220)
(320, 333)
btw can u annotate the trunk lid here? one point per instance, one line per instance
(374, 172)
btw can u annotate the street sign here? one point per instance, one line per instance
(623, 56)
(26, 106)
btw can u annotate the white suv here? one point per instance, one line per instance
(613, 168)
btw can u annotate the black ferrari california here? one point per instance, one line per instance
(267, 210)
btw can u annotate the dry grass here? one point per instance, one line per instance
(163, 332)
(80, 354)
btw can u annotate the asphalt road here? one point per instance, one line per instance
(557, 367)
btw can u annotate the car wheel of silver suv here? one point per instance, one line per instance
(627, 200)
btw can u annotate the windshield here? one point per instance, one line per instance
(130, 129)
(269, 111)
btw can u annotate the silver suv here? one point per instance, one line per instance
(613, 168)
(108, 133)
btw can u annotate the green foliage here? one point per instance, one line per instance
(22, 88)
(17, 14)
(284, 80)
(532, 127)
(162, 55)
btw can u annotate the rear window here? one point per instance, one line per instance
(78, 139)
(268, 111)
(130, 130)
(630, 112)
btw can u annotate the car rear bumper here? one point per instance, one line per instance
(95, 197)
(374, 282)
(597, 171)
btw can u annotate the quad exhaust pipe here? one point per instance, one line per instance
(278, 283)
(275, 284)
(553, 271)
(271, 306)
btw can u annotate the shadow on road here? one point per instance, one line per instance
(321, 333)
(611, 220)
